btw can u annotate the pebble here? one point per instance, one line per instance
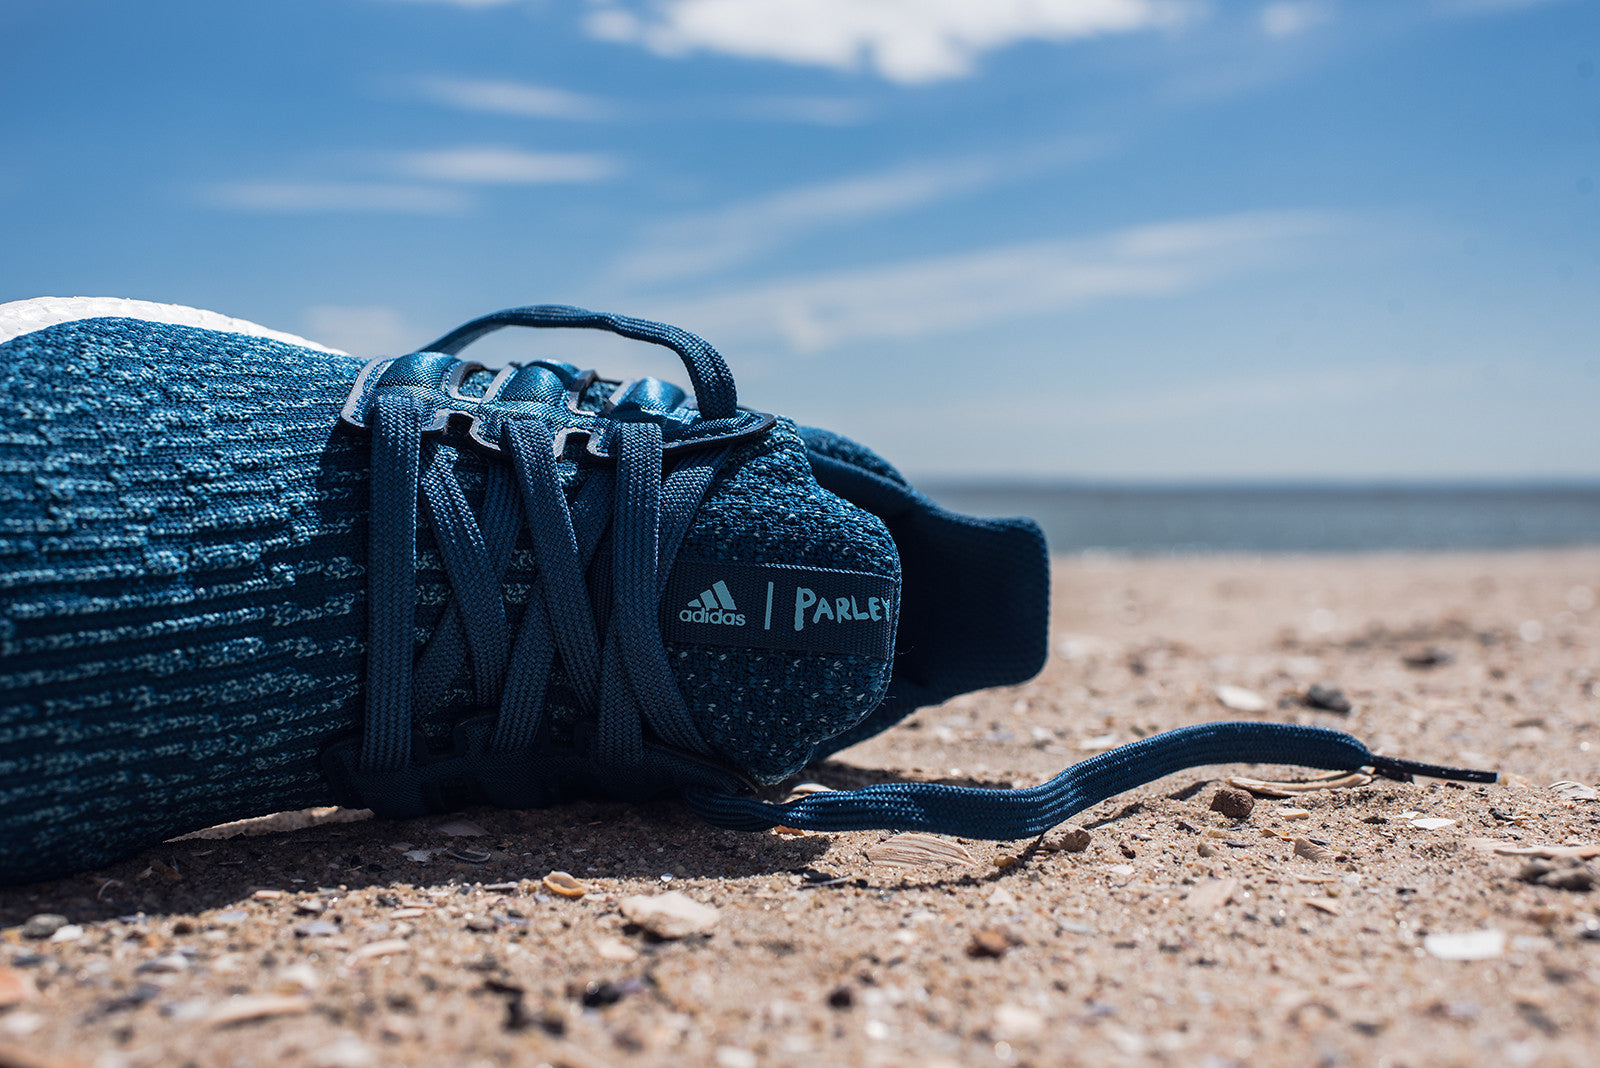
(1574, 875)
(1234, 804)
(991, 942)
(616, 949)
(316, 929)
(735, 1057)
(1071, 840)
(1240, 699)
(1466, 945)
(166, 964)
(1327, 698)
(1431, 823)
(43, 925)
(1431, 657)
(70, 933)
(481, 924)
(669, 916)
(311, 906)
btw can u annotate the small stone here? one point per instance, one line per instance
(1468, 945)
(991, 942)
(1071, 840)
(316, 929)
(616, 949)
(1206, 849)
(1014, 1022)
(1327, 698)
(70, 933)
(669, 916)
(482, 924)
(43, 925)
(1431, 657)
(734, 1057)
(1232, 803)
(311, 906)
(841, 997)
(1240, 699)
(166, 964)
(1431, 823)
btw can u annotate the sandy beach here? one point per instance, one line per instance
(1372, 923)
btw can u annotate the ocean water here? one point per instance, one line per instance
(1080, 517)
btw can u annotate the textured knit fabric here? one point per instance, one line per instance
(182, 590)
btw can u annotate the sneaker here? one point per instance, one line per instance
(242, 573)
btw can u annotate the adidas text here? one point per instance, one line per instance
(714, 606)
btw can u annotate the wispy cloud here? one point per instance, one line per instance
(504, 97)
(920, 297)
(316, 197)
(711, 241)
(906, 41)
(501, 165)
(1290, 18)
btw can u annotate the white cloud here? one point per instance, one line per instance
(907, 41)
(362, 330)
(711, 241)
(1291, 18)
(515, 98)
(970, 289)
(313, 197)
(499, 165)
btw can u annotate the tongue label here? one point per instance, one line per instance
(776, 606)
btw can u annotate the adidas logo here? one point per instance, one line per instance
(713, 606)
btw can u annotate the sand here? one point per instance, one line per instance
(1178, 936)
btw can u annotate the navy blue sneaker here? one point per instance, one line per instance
(241, 573)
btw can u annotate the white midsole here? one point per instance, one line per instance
(26, 316)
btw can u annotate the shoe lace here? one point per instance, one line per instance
(621, 678)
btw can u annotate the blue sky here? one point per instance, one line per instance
(1121, 239)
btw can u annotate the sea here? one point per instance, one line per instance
(1289, 518)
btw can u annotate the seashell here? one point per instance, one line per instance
(915, 849)
(559, 882)
(1305, 847)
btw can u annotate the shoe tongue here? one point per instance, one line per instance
(779, 613)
